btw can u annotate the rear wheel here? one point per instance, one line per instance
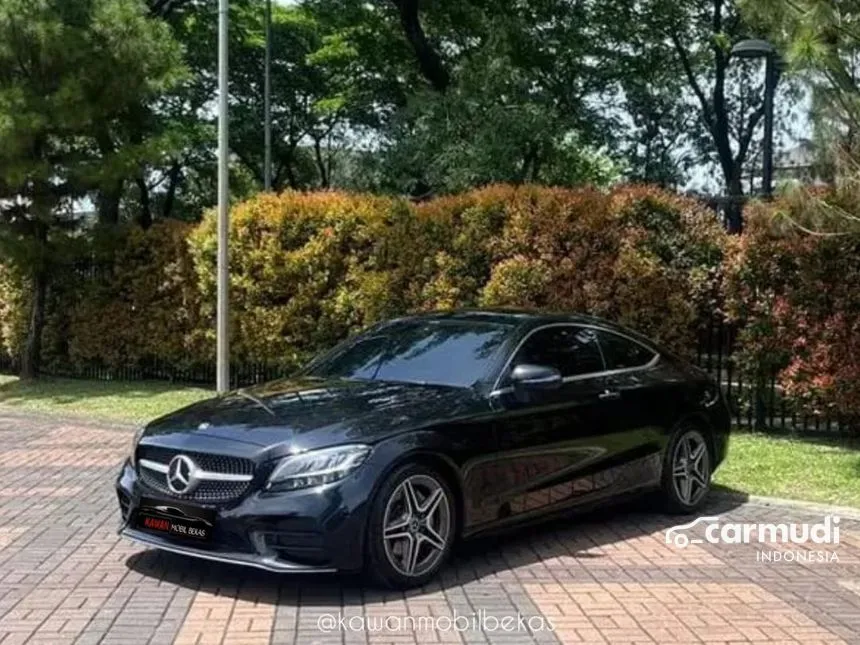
(412, 525)
(687, 471)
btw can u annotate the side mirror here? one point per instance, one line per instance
(536, 377)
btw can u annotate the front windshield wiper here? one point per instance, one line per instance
(254, 399)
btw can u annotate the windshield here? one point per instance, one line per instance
(434, 352)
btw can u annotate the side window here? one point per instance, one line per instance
(573, 351)
(621, 353)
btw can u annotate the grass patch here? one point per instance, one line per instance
(808, 470)
(137, 402)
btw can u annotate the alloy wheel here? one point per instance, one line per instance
(691, 468)
(417, 525)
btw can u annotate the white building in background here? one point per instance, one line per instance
(798, 165)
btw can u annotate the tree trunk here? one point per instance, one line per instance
(145, 217)
(735, 206)
(170, 199)
(108, 203)
(291, 176)
(321, 165)
(429, 61)
(32, 354)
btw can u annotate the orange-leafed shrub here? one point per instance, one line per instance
(796, 297)
(638, 255)
(307, 270)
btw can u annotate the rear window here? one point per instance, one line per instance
(622, 353)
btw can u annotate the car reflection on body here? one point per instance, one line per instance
(421, 431)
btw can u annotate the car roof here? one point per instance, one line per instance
(520, 318)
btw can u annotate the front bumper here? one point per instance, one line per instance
(306, 531)
(258, 561)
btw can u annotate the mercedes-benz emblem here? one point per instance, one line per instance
(181, 475)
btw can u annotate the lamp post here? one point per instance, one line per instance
(223, 315)
(755, 48)
(267, 109)
(762, 49)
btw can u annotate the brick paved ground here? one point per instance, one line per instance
(65, 577)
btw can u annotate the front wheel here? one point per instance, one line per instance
(412, 526)
(687, 471)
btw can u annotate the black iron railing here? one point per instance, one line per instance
(756, 402)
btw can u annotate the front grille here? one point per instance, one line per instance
(206, 461)
(206, 491)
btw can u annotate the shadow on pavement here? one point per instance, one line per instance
(577, 536)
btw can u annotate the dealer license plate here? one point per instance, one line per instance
(175, 519)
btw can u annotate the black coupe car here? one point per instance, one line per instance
(383, 452)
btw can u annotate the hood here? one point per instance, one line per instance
(314, 412)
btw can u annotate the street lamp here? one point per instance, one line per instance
(267, 101)
(223, 315)
(754, 48)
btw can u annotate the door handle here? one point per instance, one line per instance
(609, 395)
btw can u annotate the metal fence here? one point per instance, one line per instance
(241, 374)
(759, 403)
(756, 403)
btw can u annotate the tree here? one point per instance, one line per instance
(655, 126)
(429, 60)
(726, 94)
(821, 41)
(312, 103)
(499, 92)
(308, 106)
(69, 74)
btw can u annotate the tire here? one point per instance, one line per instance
(687, 470)
(417, 506)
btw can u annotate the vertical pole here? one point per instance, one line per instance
(223, 324)
(769, 92)
(267, 170)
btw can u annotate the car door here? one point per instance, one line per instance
(549, 442)
(634, 407)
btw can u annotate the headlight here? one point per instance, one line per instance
(317, 467)
(135, 440)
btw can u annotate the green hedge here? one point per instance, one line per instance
(310, 269)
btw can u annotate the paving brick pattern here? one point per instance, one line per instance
(65, 576)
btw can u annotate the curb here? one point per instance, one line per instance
(778, 502)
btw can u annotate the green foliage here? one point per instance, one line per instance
(306, 270)
(140, 303)
(60, 90)
(493, 125)
(821, 40)
(71, 74)
(13, 311)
